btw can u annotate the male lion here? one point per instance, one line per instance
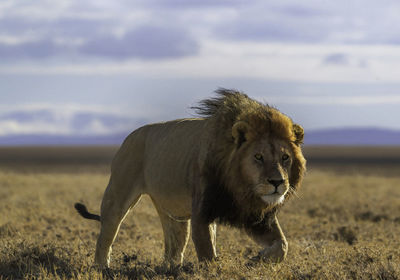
(236, 165)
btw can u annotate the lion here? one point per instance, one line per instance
(236, 164)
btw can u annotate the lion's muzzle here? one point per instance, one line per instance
(276, 183)
(273, 192)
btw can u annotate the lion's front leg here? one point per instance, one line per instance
(269, 235)
(204, 237)
(204, 232)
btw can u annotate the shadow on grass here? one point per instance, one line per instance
(34, 261)
(132, 268)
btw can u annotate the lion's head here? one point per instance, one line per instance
(256, 162)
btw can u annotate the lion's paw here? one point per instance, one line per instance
(275, 253)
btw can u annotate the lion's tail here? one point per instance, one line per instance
(85, 213)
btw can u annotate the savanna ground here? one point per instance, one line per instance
(344, 224)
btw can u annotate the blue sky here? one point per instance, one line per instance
(324, 63)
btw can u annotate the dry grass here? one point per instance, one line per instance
(344, 225)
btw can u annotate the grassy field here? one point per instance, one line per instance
(345, 224)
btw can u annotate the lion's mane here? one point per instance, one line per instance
(230, 107)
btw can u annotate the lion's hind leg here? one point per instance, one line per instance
(116, 204)
(176, 236)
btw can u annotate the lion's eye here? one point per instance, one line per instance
(259, 157)
(285, 157)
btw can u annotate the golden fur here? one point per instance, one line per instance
(236, 165)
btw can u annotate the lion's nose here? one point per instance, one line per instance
(276, 183)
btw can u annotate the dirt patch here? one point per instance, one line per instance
(346, 234)
(370, 216)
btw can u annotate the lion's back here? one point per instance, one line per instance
(164, 155)
(171, 152)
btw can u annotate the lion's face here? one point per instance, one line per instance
(266, 166)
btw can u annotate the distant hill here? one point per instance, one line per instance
(353, 137)
(334, 137)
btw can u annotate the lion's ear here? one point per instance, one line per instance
(239, 131)
(299, 134)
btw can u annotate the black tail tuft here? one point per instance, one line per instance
(85, 213)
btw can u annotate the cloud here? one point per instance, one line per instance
(66, 29)
(165, 29)
(30, 50)
(314, 22)
(345, 60)
(219, 60)
(147, 42)
(269, 39)
(34, 39)
(184, 4)
(297, 10)
(270, 31)
(17, 116)
(277, 22)
(336, 59)
(50, 119)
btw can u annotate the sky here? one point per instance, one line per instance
(98, 67)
